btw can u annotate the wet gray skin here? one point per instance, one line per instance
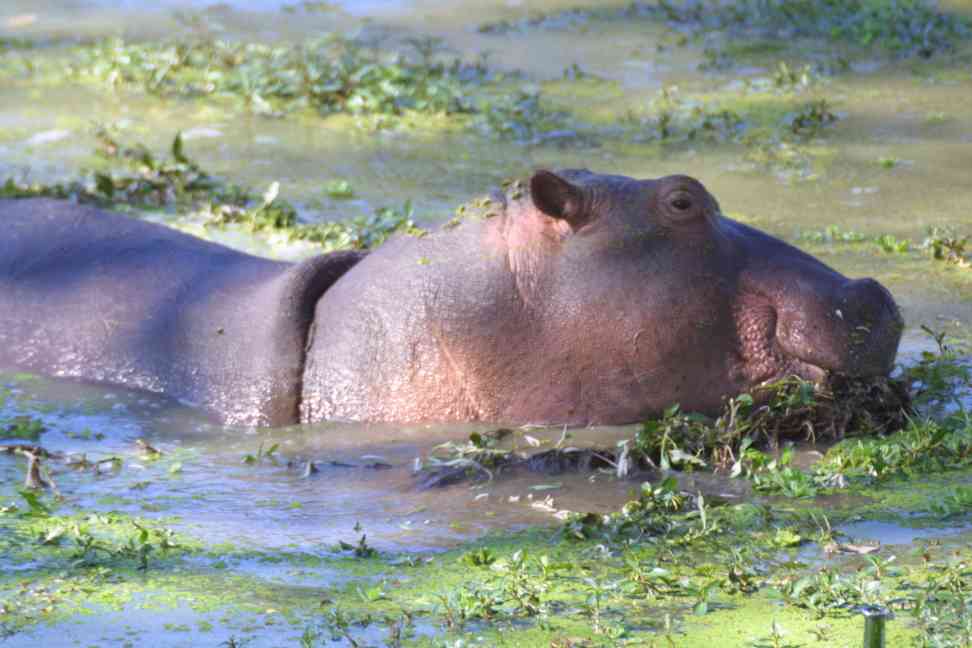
(107, 298)
(492, 320)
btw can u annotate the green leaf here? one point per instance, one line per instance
(37, 507)
(178, 152)
(104, 185)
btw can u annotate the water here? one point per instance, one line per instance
(365, 474)
(889, 533)
(909, 111)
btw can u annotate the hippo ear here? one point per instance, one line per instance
(558, 198)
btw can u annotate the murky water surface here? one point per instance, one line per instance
(362, 474)
(916, 114)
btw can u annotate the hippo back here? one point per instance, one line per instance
(99, 296)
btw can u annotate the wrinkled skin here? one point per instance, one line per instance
(588, 299)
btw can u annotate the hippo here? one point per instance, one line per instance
(572, 298)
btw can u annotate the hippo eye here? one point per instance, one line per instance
(681, 202)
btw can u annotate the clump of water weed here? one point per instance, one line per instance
(943, 244)
(833, 234)
(138, 178)
(565, 19)
(790, 408)
(940, 376)
(787, 409)
(776, 138)
(660, 509)
(478, 457)
(327, 75)
(809, 120)
(22, 427)
(904, 28)
(362, 232)
(96, 539)
(670, 117)
(921, 446)
(789, 79)
(359, 548)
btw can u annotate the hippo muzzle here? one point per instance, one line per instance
(821, 322)
(853, 329)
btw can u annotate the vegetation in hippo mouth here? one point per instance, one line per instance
(900, 415)
(826, 411)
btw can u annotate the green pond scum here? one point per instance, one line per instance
(292, 128)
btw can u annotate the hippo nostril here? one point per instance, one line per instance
(876, 325)
(867, 298)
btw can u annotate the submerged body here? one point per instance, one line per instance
(104, 297)
(587, 299)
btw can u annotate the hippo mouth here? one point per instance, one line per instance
(854, 332)
(762, 357)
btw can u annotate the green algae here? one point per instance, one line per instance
(560, 575)
(328, 75)
(914, 28)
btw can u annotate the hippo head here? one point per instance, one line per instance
(657, 298)
(585, 299)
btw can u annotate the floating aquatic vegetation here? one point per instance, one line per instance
(810, 119)
(908, 27)
(787, 409)
(326, 75)
(671, 117)
(833, 234)
(903, 27)
(137, 178)
(25, 427)
(943, 244)
(329, 74)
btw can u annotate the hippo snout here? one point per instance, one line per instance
(828, 323)
(875, 327)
